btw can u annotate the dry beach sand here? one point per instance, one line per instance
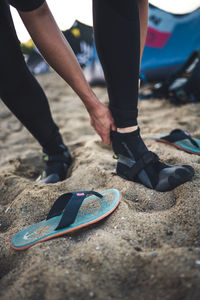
(149, 248)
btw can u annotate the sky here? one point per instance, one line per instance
(67, 11)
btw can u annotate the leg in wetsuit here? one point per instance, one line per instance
(23, 95)
(117, 38)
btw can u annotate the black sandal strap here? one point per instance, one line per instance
(178, 135)
(72, 208)
(59, 205)
(69, 204)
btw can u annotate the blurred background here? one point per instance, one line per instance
(67, 11)
(171, 58)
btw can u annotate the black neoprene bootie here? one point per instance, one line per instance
(57, 166)
(137, 164)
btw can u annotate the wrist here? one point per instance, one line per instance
(91, 103)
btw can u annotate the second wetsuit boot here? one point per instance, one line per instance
(58, 160)
(137, 164)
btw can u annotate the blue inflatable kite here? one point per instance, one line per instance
(170, 41)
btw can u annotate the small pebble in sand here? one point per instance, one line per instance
(97, 248)
(7, 209)
(138, 249)
(91, 294)
(122, 218)
(169, 232)
(197, 262)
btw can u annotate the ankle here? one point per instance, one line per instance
(127, 129)
(129, 144)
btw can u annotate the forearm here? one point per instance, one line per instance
(57, 52)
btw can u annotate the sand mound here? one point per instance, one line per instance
(149, 248)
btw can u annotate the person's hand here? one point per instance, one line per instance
(102, 121)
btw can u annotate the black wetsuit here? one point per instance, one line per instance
(19, 90)
(117, 39)
(116, 28)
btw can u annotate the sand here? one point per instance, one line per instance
(149, 248)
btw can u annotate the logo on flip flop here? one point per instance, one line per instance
(80, 194)
(27, 236)
(186, 133)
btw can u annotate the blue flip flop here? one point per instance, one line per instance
(181, 140)
(71, 211)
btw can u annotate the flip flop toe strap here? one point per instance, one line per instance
(69, 204)
(59, 205)
(188, 136)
